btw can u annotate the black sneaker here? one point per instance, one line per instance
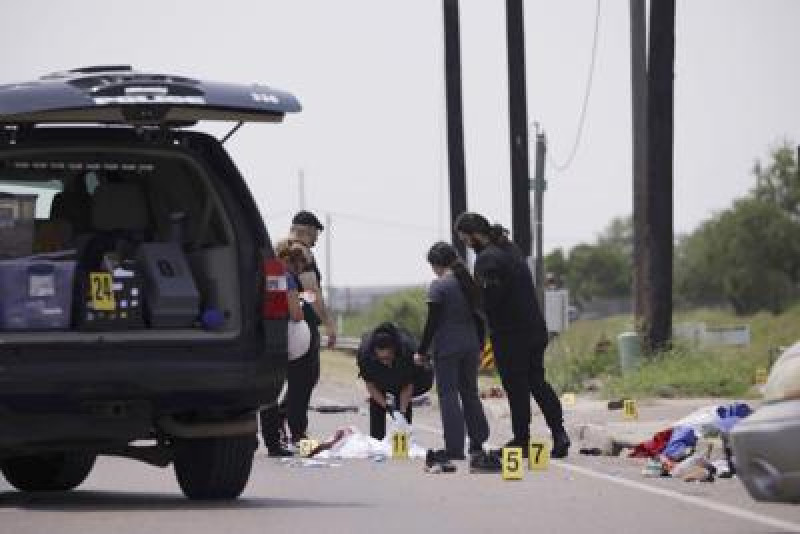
(561, 444)
(438, 462)
(278, 451)
(442, 455)
(481, 462)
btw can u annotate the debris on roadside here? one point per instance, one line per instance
(494, 392)
(334, 408)
(674, 451)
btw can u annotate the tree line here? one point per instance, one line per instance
(746, 257)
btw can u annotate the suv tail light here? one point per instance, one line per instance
(276, 299)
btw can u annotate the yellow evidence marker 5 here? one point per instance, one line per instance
(512, 463)
(538, 455)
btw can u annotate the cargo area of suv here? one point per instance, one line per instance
(140, 304)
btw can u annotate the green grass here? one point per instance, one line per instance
(687, 370)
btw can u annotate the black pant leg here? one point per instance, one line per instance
(543, 392)
(301, 377)
(377, 420)
(513, 362)
(271, 421)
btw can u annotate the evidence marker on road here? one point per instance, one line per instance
(400, 445)
(538, 454)
(629, 410)
(568, 400)
(761, 376)
(306, 446)
(512, 463)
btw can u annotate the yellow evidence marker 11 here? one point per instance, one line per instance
(538, 455)
(629, 409)
(512, 463)
(400, 445)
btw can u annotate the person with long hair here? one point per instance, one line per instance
(454, 328)
(517, 329)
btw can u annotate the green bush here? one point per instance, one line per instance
(406, 308)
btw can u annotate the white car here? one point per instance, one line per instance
(766, 444)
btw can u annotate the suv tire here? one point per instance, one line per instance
(61, 471)
(214, 468)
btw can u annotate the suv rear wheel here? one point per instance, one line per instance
(59, 471)
(214, 468)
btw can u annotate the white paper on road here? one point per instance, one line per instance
(351, 443)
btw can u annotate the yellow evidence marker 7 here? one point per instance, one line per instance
(101, 294)
(538, 455)
(512, 463)
(400, 445)
(629, 409)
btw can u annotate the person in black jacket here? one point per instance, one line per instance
(517, 329)
(386, 363)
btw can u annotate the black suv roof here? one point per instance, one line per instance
(117, 94)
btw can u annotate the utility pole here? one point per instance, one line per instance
(455, 126)
(539, 185)
(518, 127)
(658, 190)
(638, 28)
(328, 266)
(301, 189)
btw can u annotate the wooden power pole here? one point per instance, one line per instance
(638, 16)
(455, 123)
(518, 127)
(659, 182)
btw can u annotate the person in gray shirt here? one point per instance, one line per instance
(454, 328)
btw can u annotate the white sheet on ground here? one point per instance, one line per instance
(350, 442)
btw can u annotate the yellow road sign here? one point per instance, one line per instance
(512, 463)
(538, 455)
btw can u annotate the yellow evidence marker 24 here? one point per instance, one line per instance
(512, 463)
(400, 445)
(101, 293)
(538, 455)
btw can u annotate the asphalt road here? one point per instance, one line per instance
(581, 494)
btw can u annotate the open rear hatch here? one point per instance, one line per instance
(120, 95)
(141, 219)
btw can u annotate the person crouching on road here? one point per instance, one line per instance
(386, 363)
(274, 417)
(518, 331)
(455, 327)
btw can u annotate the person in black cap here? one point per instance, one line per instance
(305, 230)
(518, 330)
(386, 363)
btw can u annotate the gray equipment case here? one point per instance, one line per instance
(171, 296)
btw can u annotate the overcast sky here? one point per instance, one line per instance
(370, 76)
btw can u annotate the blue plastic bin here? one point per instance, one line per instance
(35, 294)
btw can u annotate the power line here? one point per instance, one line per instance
(383, 222)
(582, 120)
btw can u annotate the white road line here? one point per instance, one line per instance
(689, 499)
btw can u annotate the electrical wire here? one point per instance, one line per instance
(561, 167)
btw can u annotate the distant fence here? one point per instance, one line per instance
(738, 335)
